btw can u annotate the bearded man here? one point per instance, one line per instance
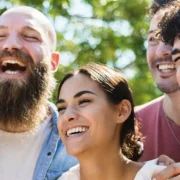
(30, 146)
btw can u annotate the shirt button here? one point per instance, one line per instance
(49, 153)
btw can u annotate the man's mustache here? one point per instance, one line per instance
(158, 60)
(17, 54)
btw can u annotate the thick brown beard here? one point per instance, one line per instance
(23, 104)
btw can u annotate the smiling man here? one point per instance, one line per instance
(170, 32)
(160, 118)
(30, 147)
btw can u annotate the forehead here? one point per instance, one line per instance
(77, 83)
(24, 19)
(153, 23)
(176, 43)
(156, 20)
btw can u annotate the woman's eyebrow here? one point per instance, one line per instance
(174, 52)
(83, 92)
(76, 95)
(60, 101)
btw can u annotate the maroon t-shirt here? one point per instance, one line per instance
(157, 130)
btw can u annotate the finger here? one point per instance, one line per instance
(169, 172)
(172, 161)
(168, 162)
(175, 178)
(165, 160)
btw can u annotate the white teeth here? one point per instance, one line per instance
(76, 130)
(11, 72)
(166, 67)
(4, 63)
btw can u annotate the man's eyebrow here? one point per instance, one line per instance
(150, 32)
(76, 96)
(174, 52)
(24, 28)
(60, 101)
(153, 31)
(30, 28)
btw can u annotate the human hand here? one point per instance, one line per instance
(171, 172)
(165, 160)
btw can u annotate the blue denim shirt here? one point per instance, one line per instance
(53, 159)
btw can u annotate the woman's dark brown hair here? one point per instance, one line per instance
(116, 88)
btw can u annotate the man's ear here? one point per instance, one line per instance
(124, 110)
(55, 58)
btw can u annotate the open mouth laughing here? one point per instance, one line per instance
(13, 67)
(76, 130)
(165, 68)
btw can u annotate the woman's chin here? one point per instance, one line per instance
(76, 152)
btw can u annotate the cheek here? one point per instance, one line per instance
(38, 52)
(105, 118)
(46, 49)
(150, 54)
(178, 74)
(34, 50)
(176, 44)
(1, 43)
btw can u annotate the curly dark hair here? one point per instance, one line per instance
(116, 88)
(170, 23)
(156, 5)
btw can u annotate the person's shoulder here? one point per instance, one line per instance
(53, 112)
(72, 174)
(52, 106)
(149, 105)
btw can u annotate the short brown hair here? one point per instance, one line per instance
(156, 5)
(170, 23)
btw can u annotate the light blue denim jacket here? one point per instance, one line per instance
(53, 159)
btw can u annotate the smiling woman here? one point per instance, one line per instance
(97, 125)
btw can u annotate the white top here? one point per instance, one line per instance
(145, 173)
(19, 152)
(148, 170)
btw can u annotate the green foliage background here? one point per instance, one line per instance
(115, 29)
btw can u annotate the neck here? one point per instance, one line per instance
(171, 107)
(98, 166)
